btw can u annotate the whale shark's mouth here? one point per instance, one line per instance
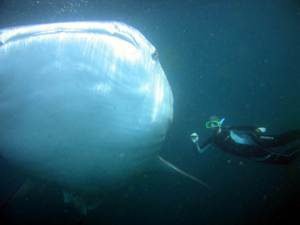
(115, 29)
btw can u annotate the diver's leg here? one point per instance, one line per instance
(281, 158)
(286, 138)
(278, 140)
(275, 159)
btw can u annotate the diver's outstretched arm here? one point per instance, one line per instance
(201, 150)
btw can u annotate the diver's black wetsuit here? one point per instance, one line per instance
(249, 142)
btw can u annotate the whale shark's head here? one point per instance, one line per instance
(82, 104)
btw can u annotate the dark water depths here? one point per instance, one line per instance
(237, 59)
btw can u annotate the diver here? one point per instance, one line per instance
(251, 142)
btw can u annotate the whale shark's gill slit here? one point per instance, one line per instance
(183, 173)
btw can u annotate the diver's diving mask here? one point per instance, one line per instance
(214, 123)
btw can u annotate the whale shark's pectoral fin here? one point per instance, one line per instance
(183, 173)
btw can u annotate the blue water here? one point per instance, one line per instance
(236, 59)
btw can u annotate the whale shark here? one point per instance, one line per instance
(85, 105)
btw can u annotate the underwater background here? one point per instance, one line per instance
(236, 59)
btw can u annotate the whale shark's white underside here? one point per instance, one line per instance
(82, 104)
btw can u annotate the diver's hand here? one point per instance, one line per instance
(195, 139)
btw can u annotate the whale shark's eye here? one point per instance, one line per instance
(155, 55)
